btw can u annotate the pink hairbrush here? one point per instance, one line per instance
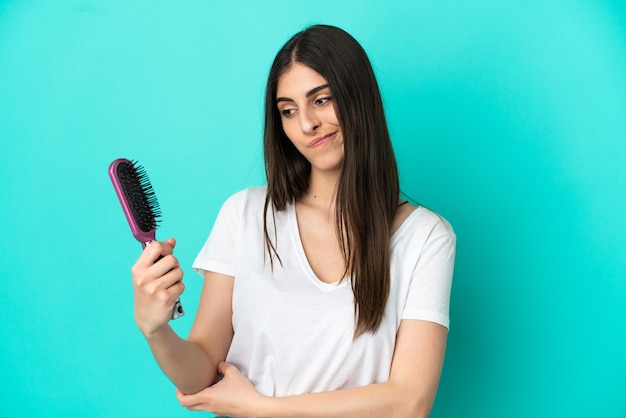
(140, 205)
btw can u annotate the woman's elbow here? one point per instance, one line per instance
(416, 409)
(410, 405)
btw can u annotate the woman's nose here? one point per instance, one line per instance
(309, 122)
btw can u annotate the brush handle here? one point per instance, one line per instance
(178, 310)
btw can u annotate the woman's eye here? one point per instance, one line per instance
(288, 112)
(320, 101)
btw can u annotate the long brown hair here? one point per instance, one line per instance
(368, 189)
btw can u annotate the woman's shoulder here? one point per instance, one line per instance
(254, 196)
(419, 218)
(242, 206)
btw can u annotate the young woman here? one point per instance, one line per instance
(324, 293)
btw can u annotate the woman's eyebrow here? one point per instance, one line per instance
(308, 94)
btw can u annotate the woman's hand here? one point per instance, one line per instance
(157, 284)
(234, 395)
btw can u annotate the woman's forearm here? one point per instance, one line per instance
(409, 392)
(186, 364)
(376, 400)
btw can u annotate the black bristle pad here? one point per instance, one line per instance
(140, 196)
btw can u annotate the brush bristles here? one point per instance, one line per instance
(139, 195)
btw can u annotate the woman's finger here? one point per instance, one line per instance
(171, 278)
(188, 401)
(164, 265)
(156, 250)
(223, 367)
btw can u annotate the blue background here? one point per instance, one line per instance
(508, 118)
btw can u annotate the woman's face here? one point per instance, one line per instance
(308, 116)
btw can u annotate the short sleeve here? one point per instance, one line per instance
(218, 252)
(429, 292)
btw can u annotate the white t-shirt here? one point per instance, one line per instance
(293, 333)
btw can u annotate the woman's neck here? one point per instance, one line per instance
(322, 190)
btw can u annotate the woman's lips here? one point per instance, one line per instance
(321, 140)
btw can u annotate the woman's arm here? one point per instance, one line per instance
(409, 392)
(190, 364)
